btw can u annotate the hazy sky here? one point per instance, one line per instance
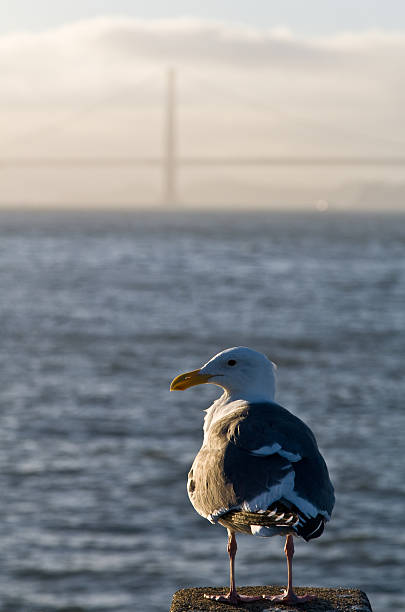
(304, 16)
(279, 78)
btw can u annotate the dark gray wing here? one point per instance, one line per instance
(255, 457)
(269, 439)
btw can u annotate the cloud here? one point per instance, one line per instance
(94, 59)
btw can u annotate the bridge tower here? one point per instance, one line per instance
(170, 142)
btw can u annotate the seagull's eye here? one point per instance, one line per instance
(232, 362)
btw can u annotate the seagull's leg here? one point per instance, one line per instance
(233, 596)
(289, 595)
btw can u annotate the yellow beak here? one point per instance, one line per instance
(189, 379)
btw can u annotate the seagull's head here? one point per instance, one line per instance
(242, 372)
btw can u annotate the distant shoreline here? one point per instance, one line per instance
(194, 210)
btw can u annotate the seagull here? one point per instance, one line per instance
(259, 470)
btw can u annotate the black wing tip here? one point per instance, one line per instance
(312, 527)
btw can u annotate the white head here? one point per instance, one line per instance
(243, 373)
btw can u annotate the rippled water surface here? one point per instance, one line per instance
(100, 311)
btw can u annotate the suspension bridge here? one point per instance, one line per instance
(170, 161)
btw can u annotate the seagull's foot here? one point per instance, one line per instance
(234, 598)
(290, 597)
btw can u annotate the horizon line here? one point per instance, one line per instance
(276, 160)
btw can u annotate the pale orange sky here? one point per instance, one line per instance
(97, 87)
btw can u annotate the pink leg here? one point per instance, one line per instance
(289, 595)
(233, 596)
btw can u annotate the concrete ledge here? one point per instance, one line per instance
(327, 600)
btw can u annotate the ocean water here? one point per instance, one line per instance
(99, 311)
